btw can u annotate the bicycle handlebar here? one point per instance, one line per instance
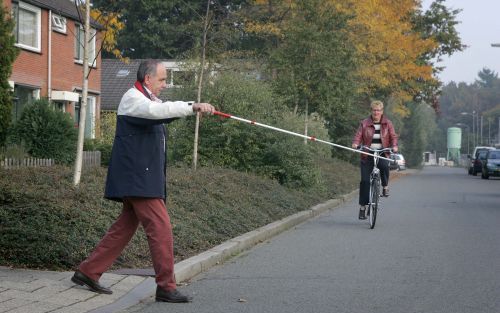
(374, 150)
(379, 151)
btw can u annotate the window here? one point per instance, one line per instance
(122, 73)
(79, 40)
(23, 96)
(58, 106)
(90, 116)
(59, 23)
(28, 26)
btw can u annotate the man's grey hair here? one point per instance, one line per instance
(147, 67)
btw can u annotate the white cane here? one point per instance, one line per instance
(311, 138)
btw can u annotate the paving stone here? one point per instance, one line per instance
(13, 304)
(36, 307)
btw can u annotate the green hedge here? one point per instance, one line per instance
(47, 223)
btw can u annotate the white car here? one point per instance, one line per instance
(399, 162)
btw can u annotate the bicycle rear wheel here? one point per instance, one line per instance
(374, 197)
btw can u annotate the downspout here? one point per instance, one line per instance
(49, 59)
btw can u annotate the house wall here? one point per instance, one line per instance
(32, 68)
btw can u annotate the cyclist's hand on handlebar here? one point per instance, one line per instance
(355, 146)
(395, 149)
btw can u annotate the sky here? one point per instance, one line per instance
(479, 28)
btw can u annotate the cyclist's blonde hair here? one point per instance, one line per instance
(377, 104)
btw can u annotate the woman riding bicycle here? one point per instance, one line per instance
(376, 132)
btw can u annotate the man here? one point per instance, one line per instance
(136, 177)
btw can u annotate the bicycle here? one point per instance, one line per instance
(375, 184)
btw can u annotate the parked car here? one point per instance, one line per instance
(475, 164)
(491, 164)
(398, 163)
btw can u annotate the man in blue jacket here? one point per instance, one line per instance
(136, 177)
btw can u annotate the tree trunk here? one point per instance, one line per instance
(83, 106)
(200, 81)
(306, 121)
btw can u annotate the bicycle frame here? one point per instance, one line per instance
(375, 183)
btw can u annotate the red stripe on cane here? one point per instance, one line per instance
(222, 114)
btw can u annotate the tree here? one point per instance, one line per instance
(163, 29)
(439, 24)
(112, 25)
(314, 65)
(420, 128)
(8, 53)
(83, 108)
(487, 78)
(388, 48)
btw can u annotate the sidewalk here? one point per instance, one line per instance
(30, 291)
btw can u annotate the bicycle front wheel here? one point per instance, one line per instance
(374, 197)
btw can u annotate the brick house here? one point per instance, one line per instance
(50, 37)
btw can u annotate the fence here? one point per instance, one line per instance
(89, 158)
(26, 162)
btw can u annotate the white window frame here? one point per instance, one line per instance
(59, 23)
(79, 43)
(38, 31)
(90, 116)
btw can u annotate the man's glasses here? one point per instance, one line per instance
(377, 110)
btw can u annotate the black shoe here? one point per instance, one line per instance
(385, 192)
(81, 279)
(362, 215)
(171, 296)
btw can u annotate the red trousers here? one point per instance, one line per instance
(153, 216)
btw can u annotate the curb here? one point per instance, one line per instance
(189, 268)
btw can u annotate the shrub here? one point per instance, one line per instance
(15, 151)
(240, 146)
(47, 223)
(47, 133)
(105, 141)
(108, 127)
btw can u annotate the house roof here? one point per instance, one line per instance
(64, 8)
(116, 78)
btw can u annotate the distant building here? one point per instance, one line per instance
(50, 36)
(430, 158)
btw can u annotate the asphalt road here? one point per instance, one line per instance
(435, 248)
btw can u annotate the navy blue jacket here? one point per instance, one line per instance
(137, 166)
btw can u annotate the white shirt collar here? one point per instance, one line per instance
(153, 97)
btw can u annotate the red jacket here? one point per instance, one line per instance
(366, 129)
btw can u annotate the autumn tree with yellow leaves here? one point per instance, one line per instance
(388, 48)
(112, 25)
